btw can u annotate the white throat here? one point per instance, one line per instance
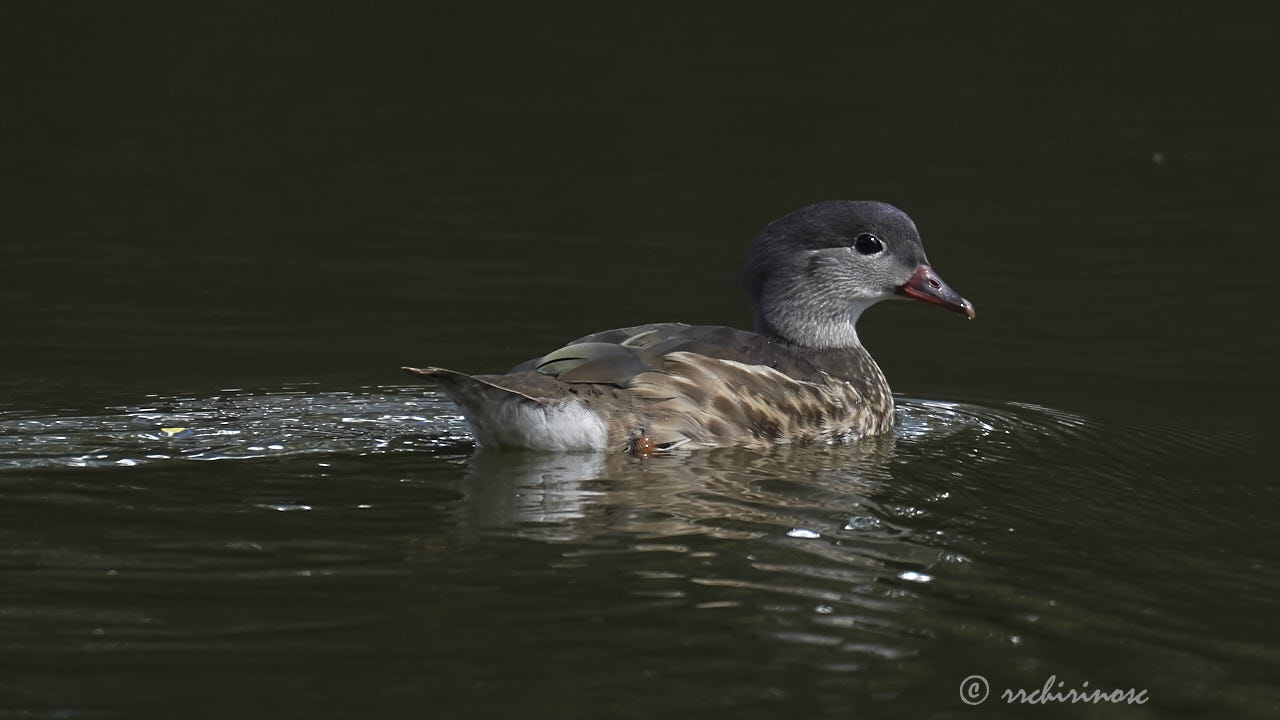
(803, 326)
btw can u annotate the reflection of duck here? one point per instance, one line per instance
(802, 376)
(794, 547)
(726, 493)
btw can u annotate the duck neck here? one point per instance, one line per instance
(831, 330)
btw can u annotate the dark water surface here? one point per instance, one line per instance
(241, 222)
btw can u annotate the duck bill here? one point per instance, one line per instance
(927, 286)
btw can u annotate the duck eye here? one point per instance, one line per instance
(867, 244)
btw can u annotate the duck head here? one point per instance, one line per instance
(811, 273)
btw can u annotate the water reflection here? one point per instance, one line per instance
(801, 546)
(722, 493)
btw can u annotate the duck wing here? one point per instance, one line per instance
(616, 356)
(712, 385)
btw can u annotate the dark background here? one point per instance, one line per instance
(214, 194)
(243, 218)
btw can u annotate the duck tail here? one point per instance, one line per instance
(470, 392)
(524, 410)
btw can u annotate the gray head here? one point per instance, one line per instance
(811, 273)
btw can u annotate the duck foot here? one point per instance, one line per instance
(642, 446)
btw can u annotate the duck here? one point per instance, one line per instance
(800, 376)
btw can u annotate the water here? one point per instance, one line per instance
(240, 222)
(299, 541)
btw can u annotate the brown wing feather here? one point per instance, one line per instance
(717, 402)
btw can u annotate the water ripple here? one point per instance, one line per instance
(243, 424)
(235, 425)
